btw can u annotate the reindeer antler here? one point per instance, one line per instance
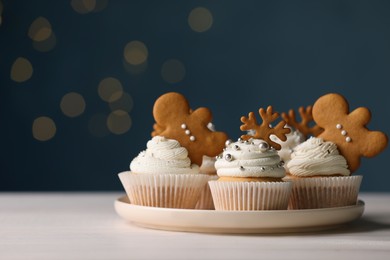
(264, 130)
(303, 126)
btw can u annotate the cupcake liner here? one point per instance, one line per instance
(163, 190)
(324, 192)
(206, 200)
(240, 196)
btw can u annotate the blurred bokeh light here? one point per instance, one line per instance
(110, 89)
(40, 29)
(72, 104)
(119, 122)
(200, 19)
(135, 53)
(44, 128)
(21, 70)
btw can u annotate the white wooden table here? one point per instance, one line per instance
(86, 226)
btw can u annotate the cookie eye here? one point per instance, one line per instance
(236, 147)
(263, 146)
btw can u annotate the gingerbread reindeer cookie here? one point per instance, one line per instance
(264, 131)
(306, 118)
(175, 120)
(348, 130)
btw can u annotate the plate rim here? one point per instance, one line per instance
(121, 204)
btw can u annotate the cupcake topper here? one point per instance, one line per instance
(303, 126)
(175, 120)
(157, 129)
(264, 130)
(348, 130)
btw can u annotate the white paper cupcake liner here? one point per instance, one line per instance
(240, 196)
(324, 192)
(206, 200)
(164, 190)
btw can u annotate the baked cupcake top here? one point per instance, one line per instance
(163, 156)
(252, 158)
(316, 157)
(294, 138)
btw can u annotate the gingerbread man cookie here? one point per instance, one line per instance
(175, 120)
(265, 130)
(348, 130)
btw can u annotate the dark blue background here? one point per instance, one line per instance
(257, 53)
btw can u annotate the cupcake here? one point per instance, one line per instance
(194, 130)
(320, 176)
(321, 168)
(163, 176)
(250, 171)
(207, 168)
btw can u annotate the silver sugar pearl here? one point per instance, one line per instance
(228, 142)
(188, 132)
(263, 146)
(228, 157)
(183, 126)
(339, 126)
(343, 132)
(192, 138)
(240, 140)
(348, 139)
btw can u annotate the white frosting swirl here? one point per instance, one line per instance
(163, 156)
(294, 138)
(317, 157)
(249, 160)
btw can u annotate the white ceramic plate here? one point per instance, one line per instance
(211, 221)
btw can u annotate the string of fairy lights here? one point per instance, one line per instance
(110, 90)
